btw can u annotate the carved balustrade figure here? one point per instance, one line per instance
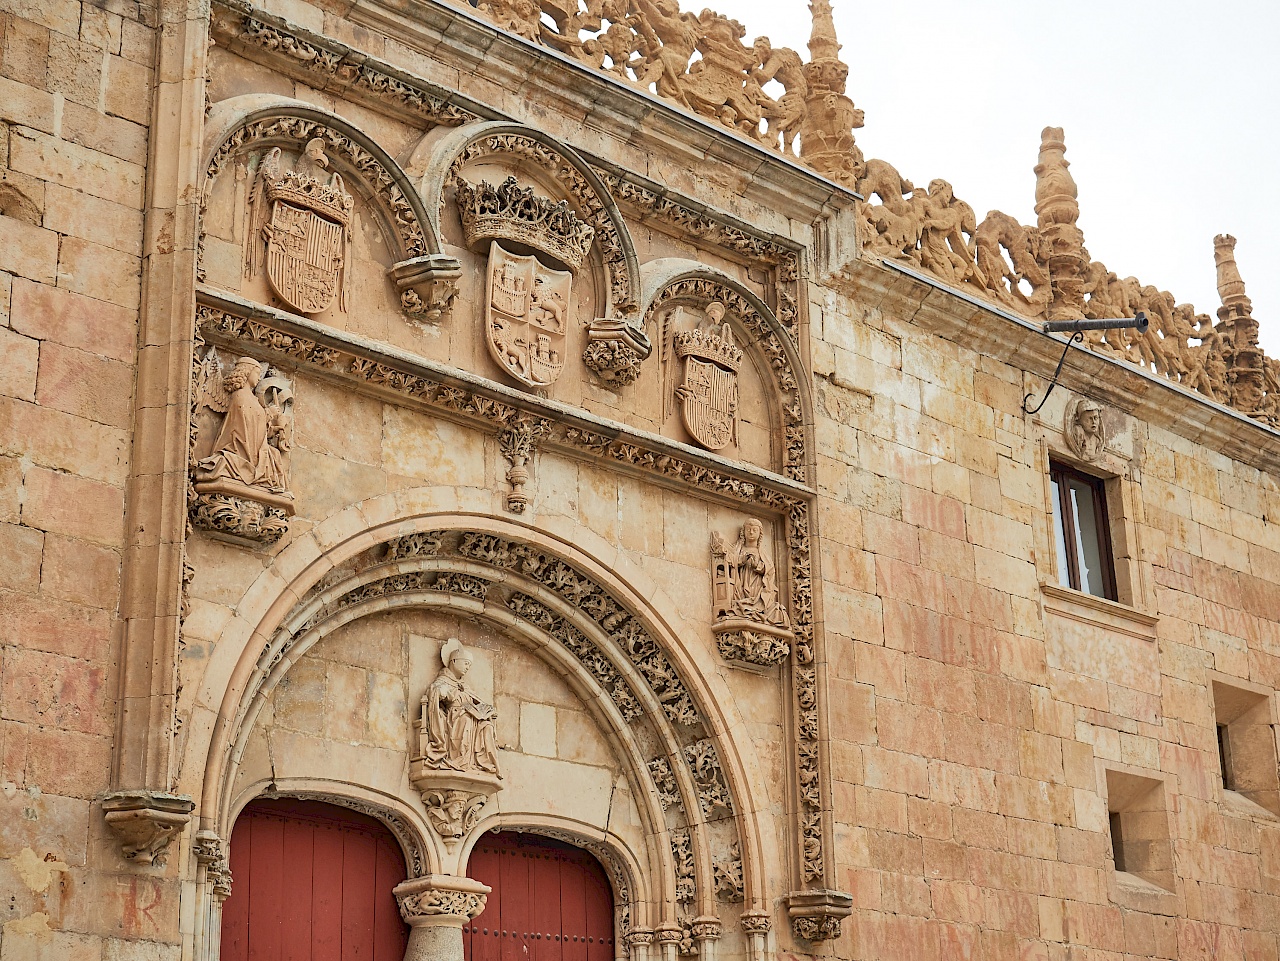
(672, 36)
(893, 226)
(944, 249)
(785, 116)
(1003, 275)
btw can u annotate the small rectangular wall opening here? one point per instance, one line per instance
(1139, 823)
(1247, 744)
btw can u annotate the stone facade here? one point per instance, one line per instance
(344, 337)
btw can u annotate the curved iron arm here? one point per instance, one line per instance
(1077, 337)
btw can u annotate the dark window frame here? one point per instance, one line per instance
(1061, 473)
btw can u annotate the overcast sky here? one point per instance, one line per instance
(1171, 111)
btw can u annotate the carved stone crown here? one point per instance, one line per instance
(512, 212)
(714, 344)
(328, 200)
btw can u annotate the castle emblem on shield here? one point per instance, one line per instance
(303, 218)
(527, 316)
(709, 394)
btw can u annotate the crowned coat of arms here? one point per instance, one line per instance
(528, 317)
(304, 221)
(709, 393)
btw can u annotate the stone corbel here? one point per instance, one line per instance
(146, 822)
(436, 907)
(517, 441)
(427, 285)
(239, 513)
(816, 915)
(615, 351)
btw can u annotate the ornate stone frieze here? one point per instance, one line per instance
(519, 215)
(423, 544)
(455, 764)
(751, 624)
(146, 822)
(242, 432)
(1084, 428)
(325, 62)
(600, 667)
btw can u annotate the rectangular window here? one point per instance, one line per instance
(1082, 533)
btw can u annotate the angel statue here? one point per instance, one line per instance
(244, 425)
(746, 579)
(461, 733)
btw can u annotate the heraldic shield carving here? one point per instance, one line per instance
(527, 316)
(709, 394)
(304, 220)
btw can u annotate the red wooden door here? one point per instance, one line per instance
(312, 882)
(550, 902)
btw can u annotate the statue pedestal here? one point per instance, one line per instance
(750, 644)
(453, 798)
(239, 513)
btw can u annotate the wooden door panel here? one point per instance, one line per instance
(312, 882)
(550, 902)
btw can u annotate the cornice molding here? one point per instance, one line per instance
(978, 326)
(299, 342)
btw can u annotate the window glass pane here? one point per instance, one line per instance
(1059, 533)
(1088, 543)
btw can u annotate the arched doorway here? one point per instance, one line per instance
(550, 902)
(312, 882)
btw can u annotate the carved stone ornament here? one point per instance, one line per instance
(210, 851)
(528, 315)
(146, 822)
(709, 393)
(751, 624)
(440, 899)
(456, 765)
(242, 426)
(301, 228)
(518, 215)
(517, 441)
(1084, 428)
(816, 915)
(615, 351)
(428, 285)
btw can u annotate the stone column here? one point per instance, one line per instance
(436, 907)
(1246, 375)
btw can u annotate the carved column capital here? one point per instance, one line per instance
(816, 915)
(756, 922)
(440, 899)
(146, 822)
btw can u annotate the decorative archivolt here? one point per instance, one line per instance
(594, 637)
(254, 124)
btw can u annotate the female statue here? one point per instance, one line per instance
(754, 580)
(460, 728)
